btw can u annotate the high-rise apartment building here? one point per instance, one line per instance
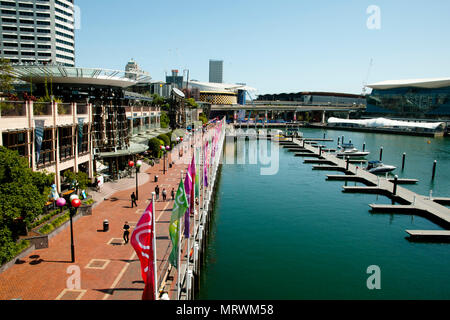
(216, 71)
(38, 31)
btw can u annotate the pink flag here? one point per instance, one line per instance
(205, 164)
(142, 240)
(189, 188)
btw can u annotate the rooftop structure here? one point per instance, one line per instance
(416, 98)
(76, 75)
(38, 31)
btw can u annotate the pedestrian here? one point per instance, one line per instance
(133, 200)
(164, 194)
(157, 192)
(126, 232)
(172, 193)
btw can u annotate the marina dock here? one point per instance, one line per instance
(408, 202)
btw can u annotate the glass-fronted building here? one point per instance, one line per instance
(424, 98)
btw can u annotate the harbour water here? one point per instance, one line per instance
(294, 235)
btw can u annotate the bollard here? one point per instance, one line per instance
(434, 170)
(395, 184)
(381, 154)
(403, 161)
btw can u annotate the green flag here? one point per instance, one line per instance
(179, 208)
(197, 175)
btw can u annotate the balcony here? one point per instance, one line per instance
(12, 109)
(42, 109)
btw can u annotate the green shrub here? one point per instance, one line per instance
(154, 146)
(55, 224)
(165, 139)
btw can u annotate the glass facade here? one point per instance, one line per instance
(410, 102)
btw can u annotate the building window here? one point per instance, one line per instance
(9, 20)
(18, 141)
(10, 36)
(65, 135)
(6, 28)
(27, 29)
(85, 141)
(9, 4)
(47, 155)
(26, 13)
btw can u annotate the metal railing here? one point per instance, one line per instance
(13, 109)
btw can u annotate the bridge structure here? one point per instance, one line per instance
(286, 110)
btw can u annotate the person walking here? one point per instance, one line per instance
(126, 232)
(133, 200)
(164, 194)
(172, 193)
(157, 192)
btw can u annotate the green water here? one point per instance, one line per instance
(294, 235)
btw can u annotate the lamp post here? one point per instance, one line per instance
(138, 166)
(75, 203)
(164, 150)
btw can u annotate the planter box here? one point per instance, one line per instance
(13, 261)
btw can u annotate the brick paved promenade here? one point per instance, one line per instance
(108, 268)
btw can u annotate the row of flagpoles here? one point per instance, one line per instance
(206, 147)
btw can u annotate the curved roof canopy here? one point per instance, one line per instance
(75, 75)
(221, 87)
(418, 83)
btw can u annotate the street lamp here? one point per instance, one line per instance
(75, 203)
(138, 167)
(164, 150)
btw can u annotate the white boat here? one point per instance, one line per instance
(348, 150)
(376, 167)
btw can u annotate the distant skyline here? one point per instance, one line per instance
(274, 46)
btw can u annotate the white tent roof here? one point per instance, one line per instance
(220, 87)
(382, 122)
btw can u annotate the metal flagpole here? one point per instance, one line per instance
(155, 264)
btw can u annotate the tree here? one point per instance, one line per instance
(164, 138)
(6, 78)
(154, 147)
(191, 102)
(81, 178)
(23, 194)
(164, 120)
(203, 118)
(158, 101)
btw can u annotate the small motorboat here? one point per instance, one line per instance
(376, 167)
(348, 150)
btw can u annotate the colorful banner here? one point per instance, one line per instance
(189, 189)
(80, 134)
(142, 240)
(179, 208)
(39, 136)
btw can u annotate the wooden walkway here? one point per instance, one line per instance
(409, 201)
